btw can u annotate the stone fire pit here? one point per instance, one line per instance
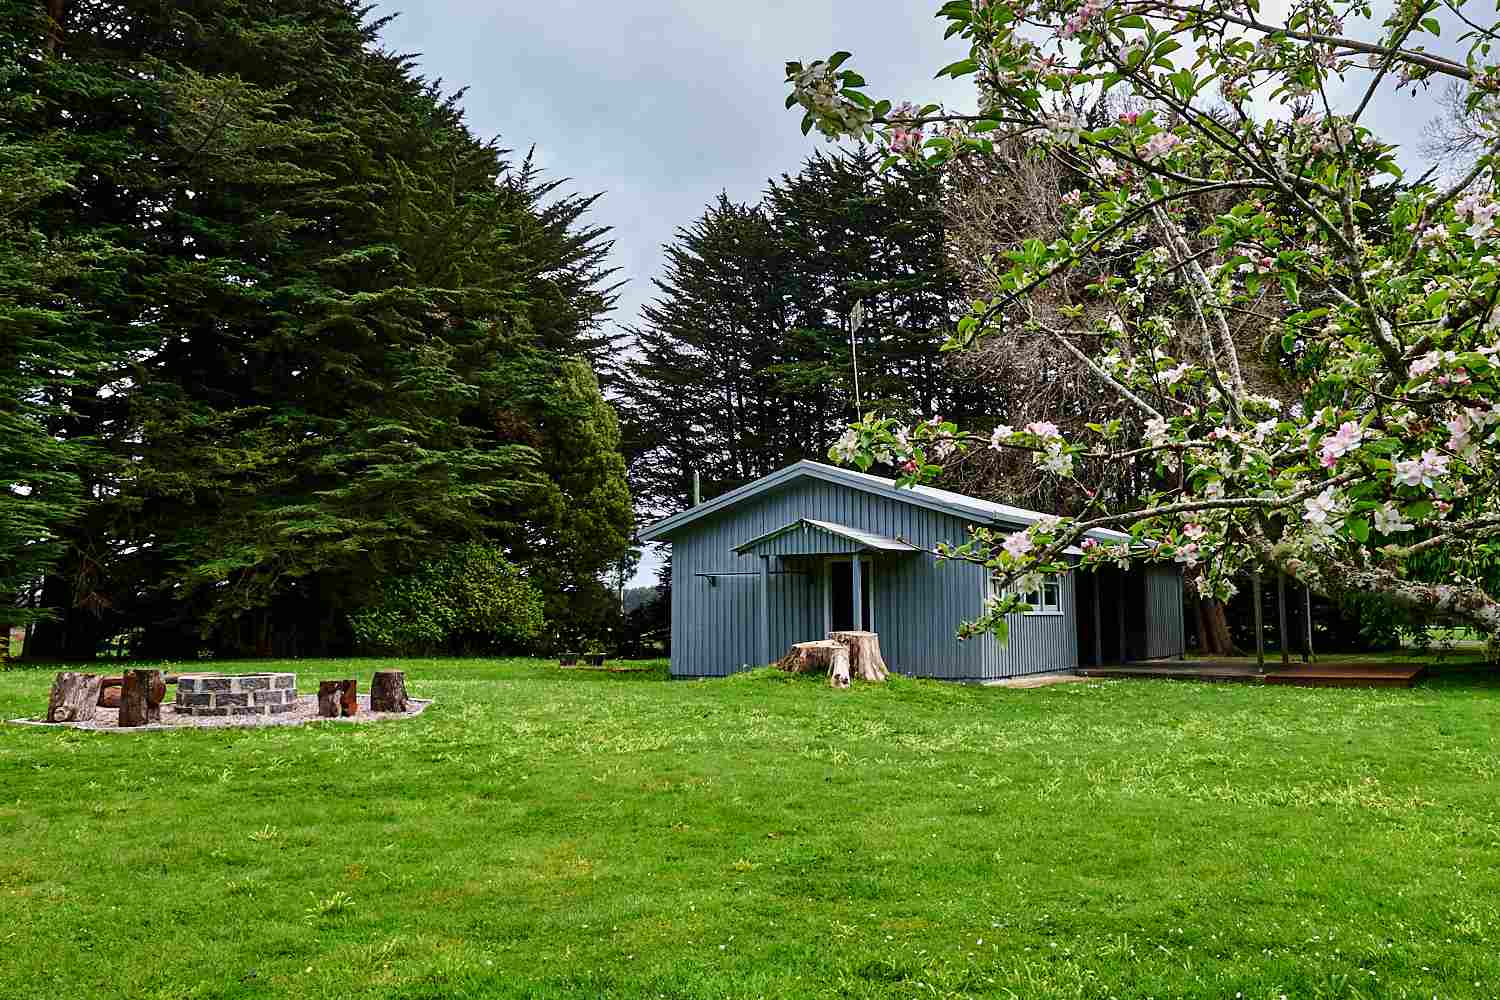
(235, 694)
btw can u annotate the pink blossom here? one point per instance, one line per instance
(1341, 442)
(1459, 430)
(1426, 363)
(1194, 531)
(1158, 145)
(1320, 507)
(1388, 520)
(1156, 431)
(1420, 471)
(1043, 429)
(1018, 544)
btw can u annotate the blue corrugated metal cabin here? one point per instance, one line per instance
(814, 548)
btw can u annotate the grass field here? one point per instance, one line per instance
(547, 833)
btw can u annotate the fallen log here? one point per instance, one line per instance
(73, 698)
(140, 697)
(388, 691)
(338, 698)
(865, 661)
(819, 655)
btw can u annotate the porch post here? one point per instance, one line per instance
(765, 610)
(857, 583)
(1098, 623)
(1260, 633)
(1120, 615)
(1281, 636)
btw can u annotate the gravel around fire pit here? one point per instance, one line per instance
(304, 711)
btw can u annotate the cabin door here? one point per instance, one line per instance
(840, 595)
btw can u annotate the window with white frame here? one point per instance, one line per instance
(1046, 601)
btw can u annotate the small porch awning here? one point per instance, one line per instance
(806, 537)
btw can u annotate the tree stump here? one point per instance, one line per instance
(141, 692)
(109, 696)
(824, 654)
(338, 698)
(74, 697)
(865, 661)
(388, 691)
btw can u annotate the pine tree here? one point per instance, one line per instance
(742, 364)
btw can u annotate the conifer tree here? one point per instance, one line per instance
(317, 290)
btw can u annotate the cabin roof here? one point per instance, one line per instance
(862, 539)
(929, 497)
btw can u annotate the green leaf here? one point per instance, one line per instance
(1358, 528)
(957, 69)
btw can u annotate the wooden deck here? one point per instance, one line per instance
(1329, 674)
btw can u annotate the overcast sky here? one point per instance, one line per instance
(662, 104)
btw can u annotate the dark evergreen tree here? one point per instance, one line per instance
(320, 298)
(743, 363)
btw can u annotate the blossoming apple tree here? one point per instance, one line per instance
(1386, 318)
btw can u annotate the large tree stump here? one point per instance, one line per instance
(811, 657)
(865, 661)
(141, 693)
(338, 698)
(73, 698)
(388, 691)
(109, 690)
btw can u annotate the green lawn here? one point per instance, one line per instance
(542, 833)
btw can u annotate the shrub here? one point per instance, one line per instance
(471, 600)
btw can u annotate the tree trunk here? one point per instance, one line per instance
(140, 697)
(73, 634)
(56, 11)
(338, 698)
(74, 697)
(824, 654)
(1213, 629)
(865, 661)
(388, 691)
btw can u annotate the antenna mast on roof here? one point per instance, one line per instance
(856, 320)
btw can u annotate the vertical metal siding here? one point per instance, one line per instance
(1164, 625)
(917, 602)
